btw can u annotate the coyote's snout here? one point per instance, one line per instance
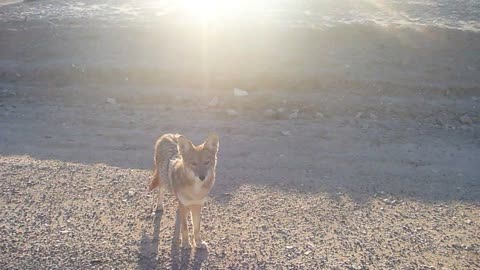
(189, 172)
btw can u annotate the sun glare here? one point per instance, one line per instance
(206, 9)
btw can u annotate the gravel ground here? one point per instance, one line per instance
(64, 215)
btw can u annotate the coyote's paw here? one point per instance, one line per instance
(201, 244)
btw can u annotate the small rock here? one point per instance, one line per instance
(319, 115)
(111, 101)
(465, 119)
(441, 122)
(307, 252)
(269, 113)
(289, 247)
(213, 102)
(281, 113)
(94, 262)
(232, 112)
(359, 114)
(293, 115)
(285, 133)
(468, 221)
(181, 99)
(131, 193)
(239, 92)
(373, 116)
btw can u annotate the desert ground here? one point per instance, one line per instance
(350, 151)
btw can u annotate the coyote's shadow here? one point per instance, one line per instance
(180, 258)
(149, 246)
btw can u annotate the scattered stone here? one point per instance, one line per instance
(112, 101)
(239, 92)
(307, 252)
(373, 116)
(289, 247)
(7, 93)
(319, 115)
(293, 115)
(468, 221)
(213, 102)
(285, 133)
(465, 119)
(131, 193)
(441, 122)
(269, 113)
(95, 262)
(359, 114)
(232, 112)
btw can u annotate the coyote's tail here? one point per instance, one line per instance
(155, 182)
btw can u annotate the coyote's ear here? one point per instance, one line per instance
(212, 142)
(184, 145)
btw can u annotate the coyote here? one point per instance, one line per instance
(188, 171)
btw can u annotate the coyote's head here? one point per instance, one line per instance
(199, 161)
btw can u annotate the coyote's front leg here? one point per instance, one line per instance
(196, 216)
(183, 216)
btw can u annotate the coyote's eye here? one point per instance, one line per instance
(194, 164)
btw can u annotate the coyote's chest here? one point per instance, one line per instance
(195, 194)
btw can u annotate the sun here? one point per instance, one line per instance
(213, 9)
(205, 9)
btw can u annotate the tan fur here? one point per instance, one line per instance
(188, 171)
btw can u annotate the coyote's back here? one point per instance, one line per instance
(166, 149)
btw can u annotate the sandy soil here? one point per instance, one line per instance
(315, 171)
